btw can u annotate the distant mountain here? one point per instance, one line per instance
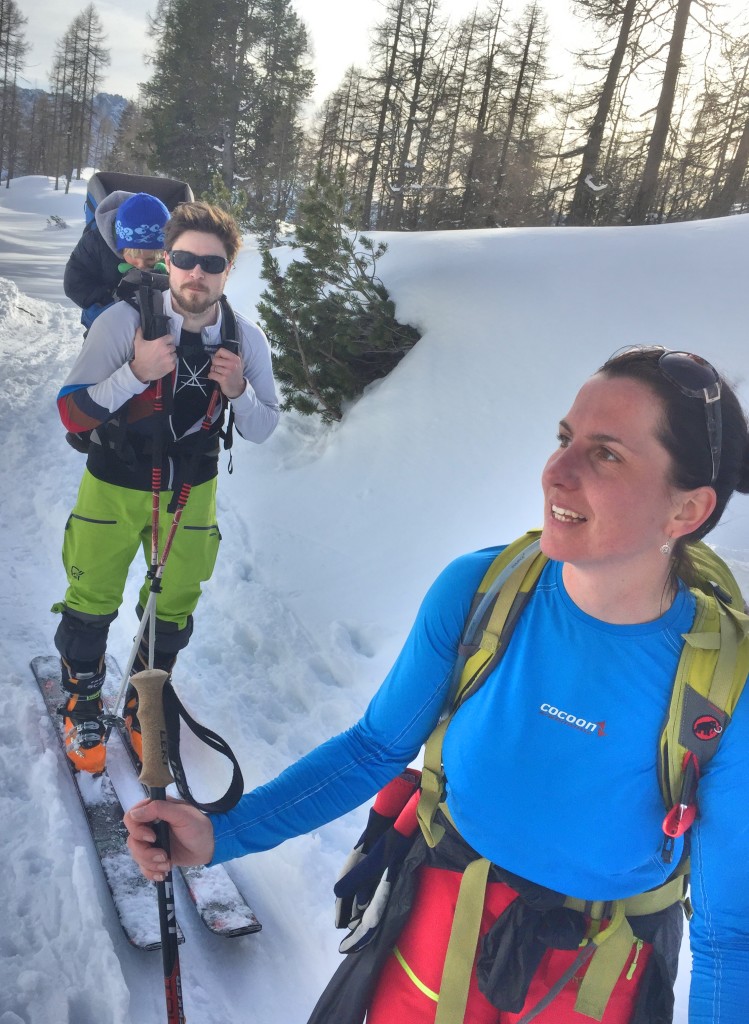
(108, 111)
(111, 105)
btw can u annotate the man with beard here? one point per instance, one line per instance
(140, 439)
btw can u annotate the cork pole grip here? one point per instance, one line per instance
(150, 685)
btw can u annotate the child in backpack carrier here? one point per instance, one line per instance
(128, 232)
(126, 238)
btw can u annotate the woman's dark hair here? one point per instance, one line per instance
(684, 431)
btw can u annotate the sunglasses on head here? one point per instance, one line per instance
(695, 378)
(184, 260)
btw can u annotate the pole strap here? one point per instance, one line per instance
(174, 711)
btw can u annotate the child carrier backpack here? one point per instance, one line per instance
(169, 190)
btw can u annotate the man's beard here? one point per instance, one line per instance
(191, 301)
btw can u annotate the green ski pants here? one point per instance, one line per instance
(104, 532)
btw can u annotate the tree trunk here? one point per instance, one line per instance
(502, 168)
(477, 145)
(379, 137)
(649, 183)
(452, 137)
(514, 106)
(720, 205)
(400, 179)
(581, 211)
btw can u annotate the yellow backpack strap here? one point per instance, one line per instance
(608, 949)
(710, 676)
(495, 608)
(482, 628)
(461, 948)
(612, 945)
(712, 575)
(485, 640)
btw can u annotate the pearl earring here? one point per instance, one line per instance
(666, 548)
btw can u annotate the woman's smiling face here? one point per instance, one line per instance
(608, 497)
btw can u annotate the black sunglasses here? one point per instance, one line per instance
(696, 378)
(184, 260)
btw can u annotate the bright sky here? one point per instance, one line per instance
(338, 29)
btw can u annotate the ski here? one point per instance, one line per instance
(134, 897)
(220, 904)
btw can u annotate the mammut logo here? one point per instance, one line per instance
(75, 572)
(595, 728)
(707, 727)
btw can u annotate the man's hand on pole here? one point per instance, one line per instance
(153, 359)
(228, 372)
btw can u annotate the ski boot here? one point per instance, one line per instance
(82, 714)
(130, 712)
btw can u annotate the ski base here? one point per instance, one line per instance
(134, 897)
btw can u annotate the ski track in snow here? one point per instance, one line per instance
(330, 537)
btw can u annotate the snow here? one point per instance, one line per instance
(330, 537)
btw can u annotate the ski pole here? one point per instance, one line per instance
(158, 408)
(149, 612)
(154, 324)
(182, 499)
(148, 616)
(156, 776)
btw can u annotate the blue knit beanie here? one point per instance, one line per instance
(140, 223)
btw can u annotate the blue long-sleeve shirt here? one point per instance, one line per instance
(551, 766)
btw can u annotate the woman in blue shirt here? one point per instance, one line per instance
(649, 454)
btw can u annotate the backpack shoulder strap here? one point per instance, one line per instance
(710, 677)
(228, 340)
(495, 609)
(228, 325)
(494, 612)
(712, 575)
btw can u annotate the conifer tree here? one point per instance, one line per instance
(232, 200)
(13, 54)
(80, 58)
(238, 79)
(329, 318)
